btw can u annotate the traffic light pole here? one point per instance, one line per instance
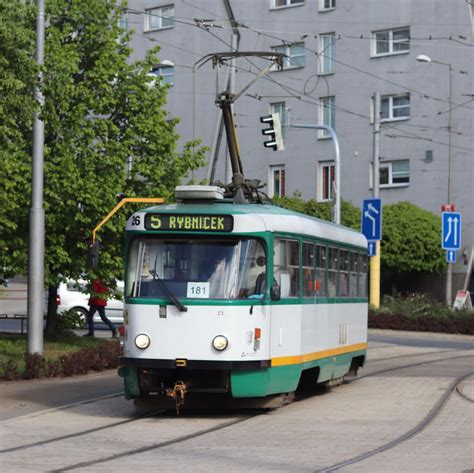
(337, 166)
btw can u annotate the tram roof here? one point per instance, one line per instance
(264, 217)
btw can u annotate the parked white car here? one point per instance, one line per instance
(71, 295)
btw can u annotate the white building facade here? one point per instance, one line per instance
(339, 54)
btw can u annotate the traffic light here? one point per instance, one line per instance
(273, 132)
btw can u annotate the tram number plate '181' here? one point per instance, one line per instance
(198, 290)
(189, 223)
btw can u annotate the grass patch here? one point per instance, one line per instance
(65, 355)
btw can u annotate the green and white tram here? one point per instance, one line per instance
(239, 300)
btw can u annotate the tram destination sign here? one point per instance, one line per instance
(189, 223)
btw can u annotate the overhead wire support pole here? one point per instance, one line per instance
(36, 217)
(374, 298)
(337, 166)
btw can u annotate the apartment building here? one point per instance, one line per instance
(417, 56)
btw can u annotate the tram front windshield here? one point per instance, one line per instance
(196, 268)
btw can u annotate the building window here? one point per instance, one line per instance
(327, 115)
(325, 5)
(326, 181)
(294, 55)
(159, 18)
(285, 3)
(166, 72)
(276, 181)
(123, 21)
(395, 107)
(394, 173)
(386, 42)
(280, 109)
(327, 53)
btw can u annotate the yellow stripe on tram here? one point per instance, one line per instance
(317, 355)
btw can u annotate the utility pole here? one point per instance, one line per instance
(426, 59)
(449, 274)
(375, 260)
(36, 218)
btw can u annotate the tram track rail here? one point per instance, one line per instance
(422, 425)
(154, 446)
(453, 387)
(79, 433)
(162, 411)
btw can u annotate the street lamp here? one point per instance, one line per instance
(425, 58)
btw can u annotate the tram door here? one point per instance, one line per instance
(287, 312)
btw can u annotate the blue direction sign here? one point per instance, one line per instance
(372, 219)
(372, 248)
(451, 231)
(450, 256)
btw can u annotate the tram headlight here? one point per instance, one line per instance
(220, 343)
(142, 341)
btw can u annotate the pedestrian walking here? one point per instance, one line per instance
(97, 303)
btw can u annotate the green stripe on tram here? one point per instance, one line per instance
(285, 378)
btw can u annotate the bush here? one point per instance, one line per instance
(350, 214)
(420, 313)
(95, 358)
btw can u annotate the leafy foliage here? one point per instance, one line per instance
(17, 73)
(350, 214)
(420, 313)
(410, 235)
(411, 239)
(106, 134)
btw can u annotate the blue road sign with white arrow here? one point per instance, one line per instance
(371, 248)
(372, 219)
(451, 230)
(450, 256)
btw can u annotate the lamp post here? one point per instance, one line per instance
(425, 58)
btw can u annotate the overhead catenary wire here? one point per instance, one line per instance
(317, 53)
(298, 94)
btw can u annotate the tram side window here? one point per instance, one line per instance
(343, 273)
(353, 274)
(362, 275)
(321, 269)
(332, 272)
(309, 280)
(286, 266)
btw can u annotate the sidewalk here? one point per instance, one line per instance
(431, 335)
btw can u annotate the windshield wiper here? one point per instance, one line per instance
(167, 291)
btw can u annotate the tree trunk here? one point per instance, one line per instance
(52, 314)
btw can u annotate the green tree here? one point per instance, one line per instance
(17, 73)
(410, 235)
(411, 239)
(106, 133)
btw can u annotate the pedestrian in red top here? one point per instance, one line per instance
(97, 302)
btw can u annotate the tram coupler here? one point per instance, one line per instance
(177, 393)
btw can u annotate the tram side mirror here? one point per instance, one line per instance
(275, 293)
